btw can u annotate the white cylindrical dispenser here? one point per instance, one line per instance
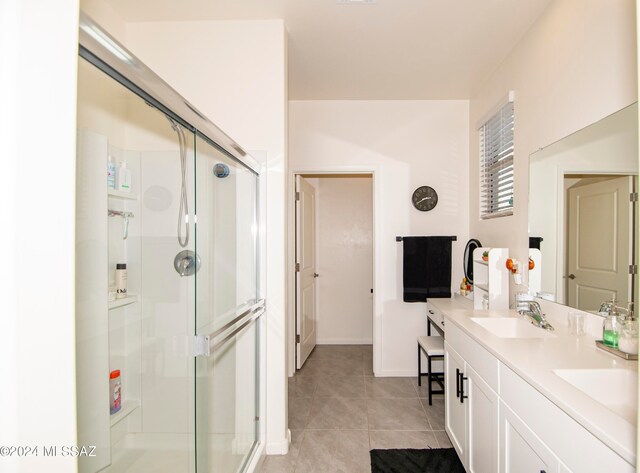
(124, 178)
(121, 280)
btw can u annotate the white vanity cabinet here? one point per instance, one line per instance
(471, 403)
(498, 422)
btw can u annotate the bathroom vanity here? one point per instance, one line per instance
(523, 399)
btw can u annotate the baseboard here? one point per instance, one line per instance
(344, 341)
(279, 448)
(396, 374)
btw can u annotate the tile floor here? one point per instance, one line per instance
(338, 411)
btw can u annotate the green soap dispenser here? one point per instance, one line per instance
(610, 329)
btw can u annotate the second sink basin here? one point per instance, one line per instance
(511, 327)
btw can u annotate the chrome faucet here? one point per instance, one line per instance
(534, 312)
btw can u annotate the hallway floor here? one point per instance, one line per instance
(338, 411)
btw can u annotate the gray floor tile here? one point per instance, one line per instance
(332, 367)
(396, 414)
(278, 464)
(334, 352)
(423, 391)
(385, 439)
(443, 439)
(299, 408)
(340, 386)
(390, 388)
(334, 451)
(367, 365)
(296, 443)
(435, 413)
(285, 463)
(338, 413)
(334, 401)
(302, 386)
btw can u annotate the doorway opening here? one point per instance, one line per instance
(333, 253)
(601, 212)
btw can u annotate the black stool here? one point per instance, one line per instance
(433, 348)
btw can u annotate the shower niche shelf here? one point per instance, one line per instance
(121, 195)
(130, 299)
(128, 407)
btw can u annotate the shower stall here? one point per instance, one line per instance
(168, 358)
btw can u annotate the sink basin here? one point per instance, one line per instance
(511, 327)
(616, 389)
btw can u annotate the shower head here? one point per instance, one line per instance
(221, 170)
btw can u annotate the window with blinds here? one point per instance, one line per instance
(496, 164)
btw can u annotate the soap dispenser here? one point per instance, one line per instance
(610, 329)
(124, 177)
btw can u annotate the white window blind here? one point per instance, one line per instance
(496, 164)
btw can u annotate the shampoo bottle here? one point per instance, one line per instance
(111, 173)
(124, 177)
(115, 391)
(121, 280)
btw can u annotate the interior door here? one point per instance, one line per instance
(305, 270)
(599, 242)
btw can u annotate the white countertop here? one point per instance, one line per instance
(455, 302)
(535, 359)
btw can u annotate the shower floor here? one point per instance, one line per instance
(171, 453)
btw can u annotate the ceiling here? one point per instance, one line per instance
(392, 49)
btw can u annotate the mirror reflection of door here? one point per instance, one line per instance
(600, 235)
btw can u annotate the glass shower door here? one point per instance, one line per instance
(143, 335)
(227, 312)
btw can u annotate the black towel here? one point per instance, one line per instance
(426, 267)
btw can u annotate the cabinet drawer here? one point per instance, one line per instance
(434, 314)
(483, 362)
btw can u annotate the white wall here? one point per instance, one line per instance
(576, 65)
(406, 144)
(235, 73)
(38, 58)
(345, 260)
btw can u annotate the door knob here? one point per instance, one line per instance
(571, 276)
(315, 275)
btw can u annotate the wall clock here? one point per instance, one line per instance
(424, 198)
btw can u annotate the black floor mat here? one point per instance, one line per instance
(409, 460)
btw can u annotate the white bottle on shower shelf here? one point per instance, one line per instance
(124, 177)
(111, 173)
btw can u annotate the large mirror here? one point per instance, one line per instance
(582, 216)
